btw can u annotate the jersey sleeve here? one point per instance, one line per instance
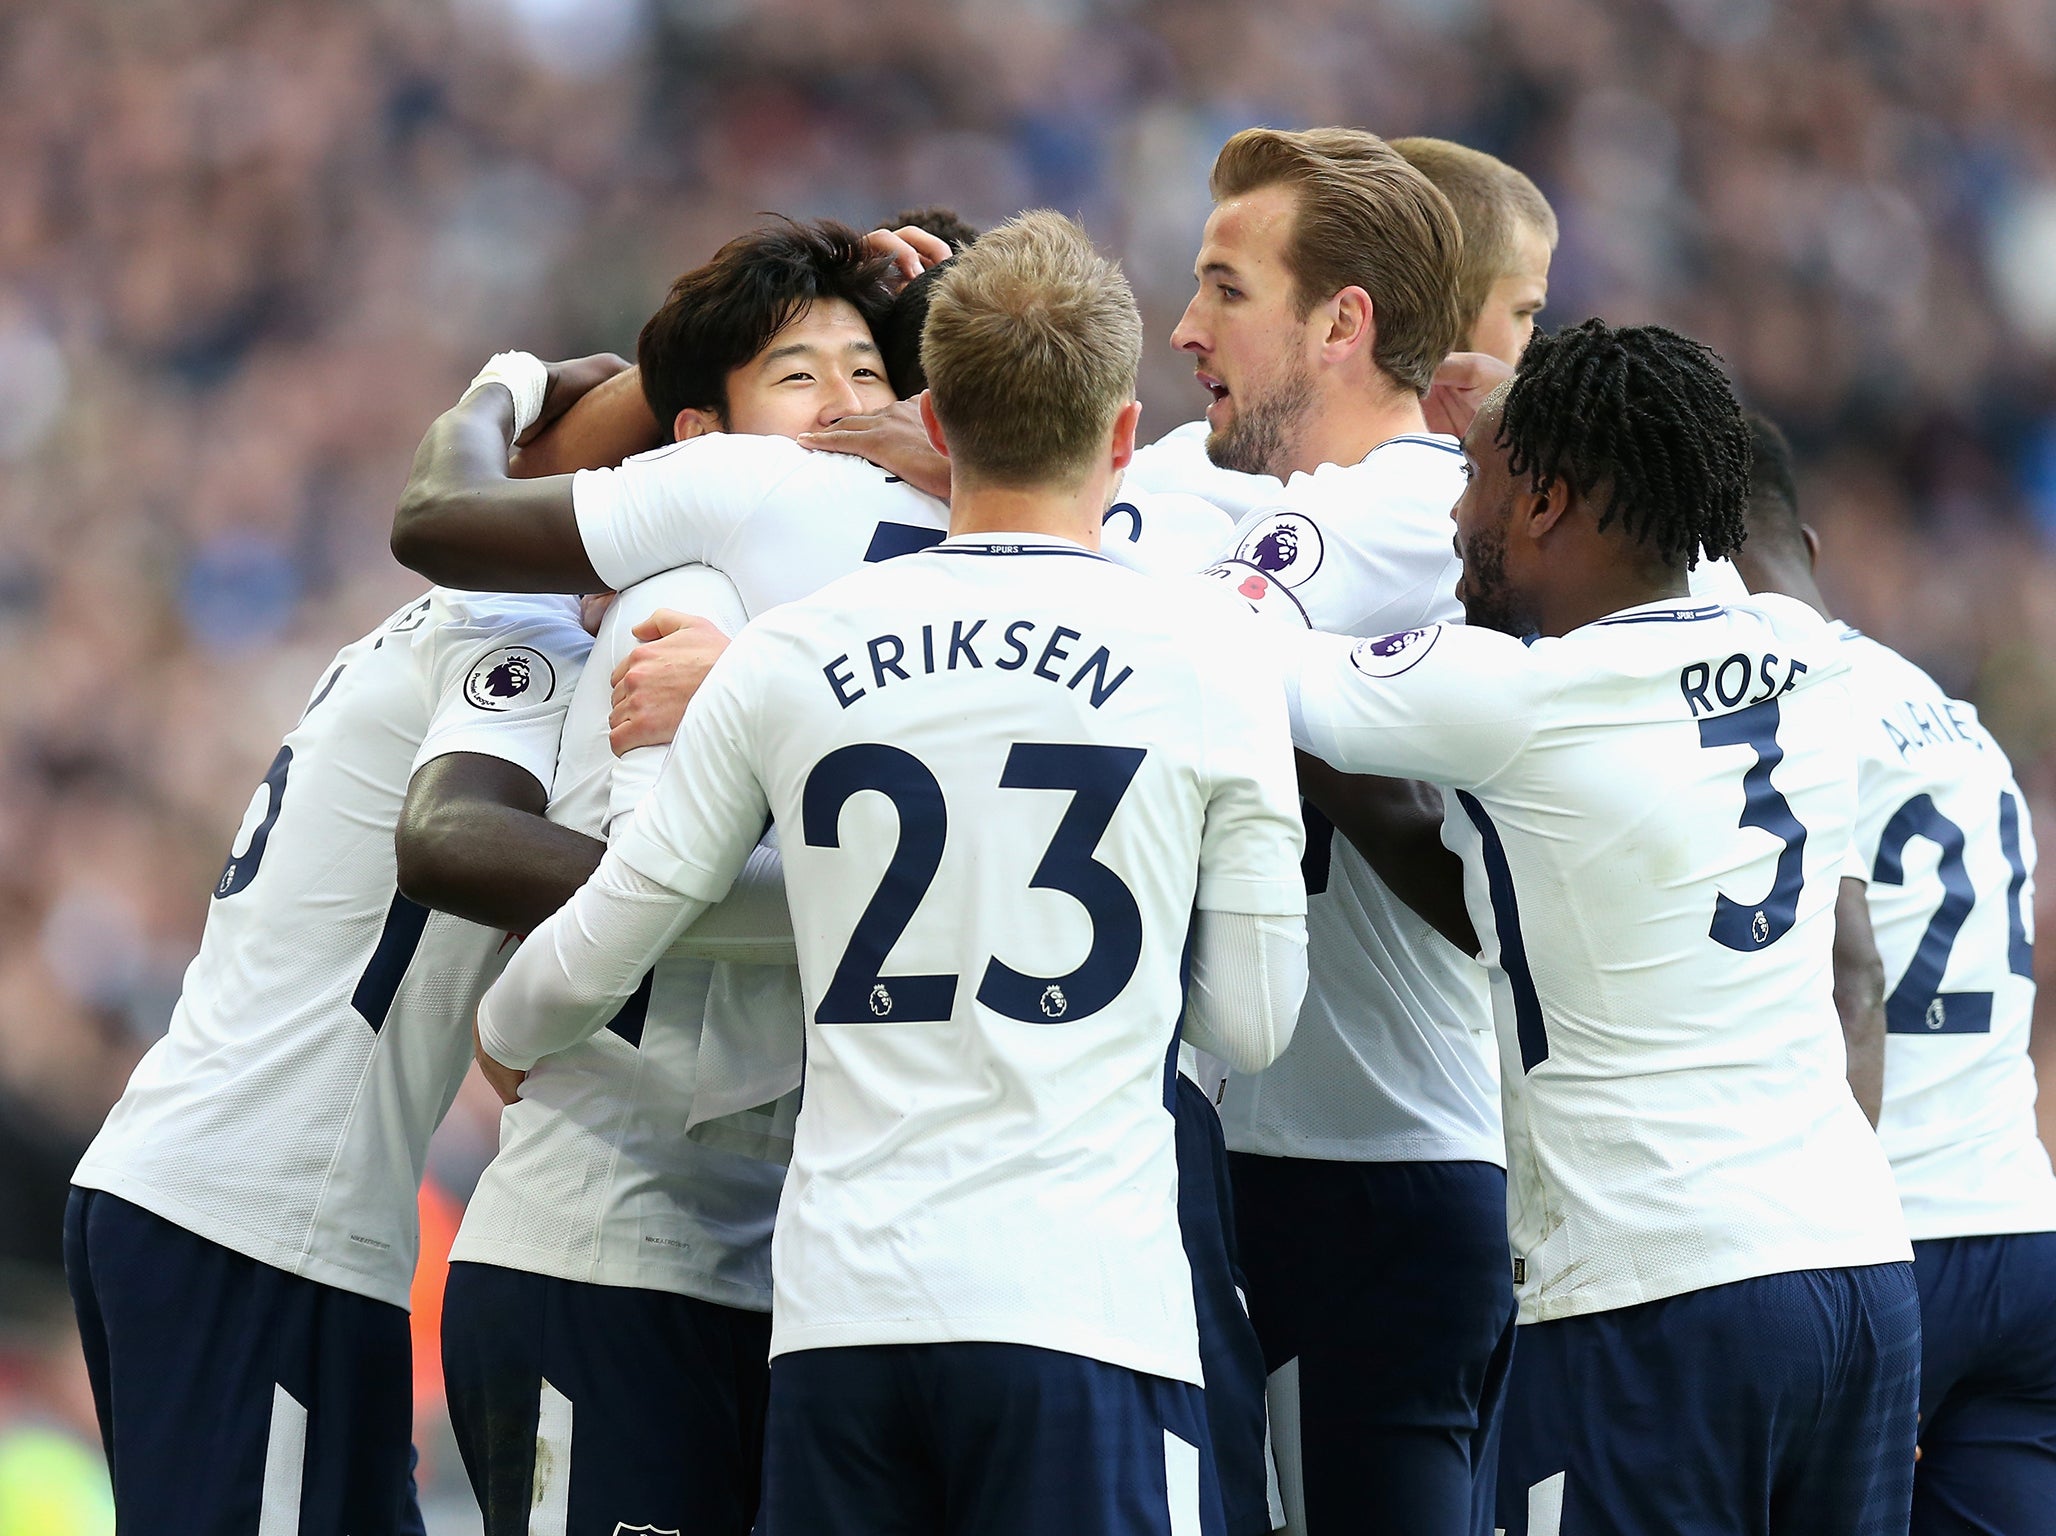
(1252, 840)
(1447, 703)
(695, 830)
(501, 688)
(681, 504)
(694, 589)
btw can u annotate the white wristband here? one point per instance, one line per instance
(525, 376)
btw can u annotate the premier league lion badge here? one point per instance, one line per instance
(1284, 546)
(1390, 655)
(512, 675)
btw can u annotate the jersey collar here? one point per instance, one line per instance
(1666, 610)
(1013, 544)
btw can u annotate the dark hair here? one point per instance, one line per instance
(946, 224)
(720, 315)
(1645, 412)
(899, 333)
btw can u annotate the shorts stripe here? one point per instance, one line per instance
(551, 1514)
(1181, 1484)
(1545, 1506)
(285, 1464)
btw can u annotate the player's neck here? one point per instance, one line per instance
(1606, 592)
(1053, 513)
(1785, 577)
(1348, 424)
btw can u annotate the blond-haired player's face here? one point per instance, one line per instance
(1507, 321)
(821, 367)
(1252, 350)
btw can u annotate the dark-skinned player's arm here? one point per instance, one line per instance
(1396, 824)
(472, 842)
(1860, 997)
(464, 520)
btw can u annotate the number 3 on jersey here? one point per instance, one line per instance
(1741, 925)
(1097, 778)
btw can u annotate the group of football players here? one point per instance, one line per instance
(1378, 964)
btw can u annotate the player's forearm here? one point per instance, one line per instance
(751, 925)
(575, 971)
(1248, 978)
(1860, 997)
(493, 864)
(462, 521)
(1396, 824)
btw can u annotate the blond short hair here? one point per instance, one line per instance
(1031, 347)
(1366, 219)
(1492, 201)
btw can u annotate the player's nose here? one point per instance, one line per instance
(1188, 336)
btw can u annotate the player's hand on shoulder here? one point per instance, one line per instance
(895, 440)
(913, 251)
(569, 382)
(657, 680)
(1461, 385)
(504, 1081)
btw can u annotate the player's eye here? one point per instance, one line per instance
(808, 377)
(869, 373)
(1228, 292)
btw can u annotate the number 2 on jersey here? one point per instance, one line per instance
(1097, 777)
(1918, 1005)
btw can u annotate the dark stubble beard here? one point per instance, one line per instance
(1265, 429)
(1487, 604)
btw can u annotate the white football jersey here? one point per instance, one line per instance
(1393, 1058)
(326, 1022)
(782, 521)
(1654, 814)
(1005, 772)
(1942, 833)
(595, 1180)
(1176, 463)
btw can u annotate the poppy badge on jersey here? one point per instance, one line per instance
(1284, 546)
(1265, 594)
(1390, 655)
(511, 676)
(623, 1528)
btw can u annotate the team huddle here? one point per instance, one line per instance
(1377, 964)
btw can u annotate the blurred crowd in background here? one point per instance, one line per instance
(248, 250)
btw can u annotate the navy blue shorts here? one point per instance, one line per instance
(982, 1440)
(1782, 1404)
(1230, 1357)
(579, 1408)
(1987, 1386)
(234, 1397)
(1383, 1295)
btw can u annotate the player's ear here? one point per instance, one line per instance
(1540, 511)
(1812, 540)
(1352, 324)
(694, 422)
(932, 424)
(1125, 422)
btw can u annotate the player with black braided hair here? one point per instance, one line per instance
(1653, 799)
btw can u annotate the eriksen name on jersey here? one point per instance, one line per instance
(940, 652)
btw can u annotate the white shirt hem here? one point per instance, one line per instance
(1171, 1363)
(215, 1229)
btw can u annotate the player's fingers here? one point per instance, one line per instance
(665, 621)
(933, 249)
(907, 260)
(841, 438)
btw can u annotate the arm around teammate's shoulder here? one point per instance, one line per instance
(1444, 703)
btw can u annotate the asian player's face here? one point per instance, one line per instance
(1482, 515)
(1250, 346)
(1507, 321)
(821, 367)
